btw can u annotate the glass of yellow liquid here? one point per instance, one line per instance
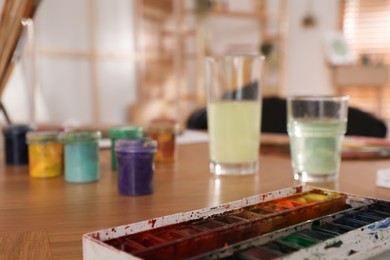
(234, 113)
(316, 126)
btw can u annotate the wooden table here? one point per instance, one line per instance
(46, 218)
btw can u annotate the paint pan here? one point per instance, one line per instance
(298, 223)
(209, 224)
(315, 234)
(189, 231)
(298, 241)
(329, 227)
(333, 228)
(247, 215)
(148, 240)
(228, 219)
(362, 216)
(256, 253)
(350, 222)
(200, 236)
(383, 207)
(376, 213)
(170, 235)
(280, 247)
(262, 211)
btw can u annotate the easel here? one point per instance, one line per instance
(11, 29)
(2, 108)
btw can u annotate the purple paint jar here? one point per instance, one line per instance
(135, 166)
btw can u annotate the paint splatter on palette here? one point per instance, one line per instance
(298, 222)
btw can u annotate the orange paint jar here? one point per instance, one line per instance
(164, 131)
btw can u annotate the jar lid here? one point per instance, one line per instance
(48, 127)
(143, 145)
(126, 132)
(80, 136)
(11, 130)
(42, 136)
(164, 125)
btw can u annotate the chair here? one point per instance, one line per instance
(274, 118)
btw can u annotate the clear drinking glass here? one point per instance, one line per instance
(316, 127)
(234, 113)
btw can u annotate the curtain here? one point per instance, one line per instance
(366, 26)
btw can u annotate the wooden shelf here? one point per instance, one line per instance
(356, 75)
(264, 17)
(156, 95)
(260, 15)
(373, 77)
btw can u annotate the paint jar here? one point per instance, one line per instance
(164, 132)
(122, 132)
(135, 166)
(45, 154)
(15, 146)
(81, 156)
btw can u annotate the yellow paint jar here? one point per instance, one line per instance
(45, 154)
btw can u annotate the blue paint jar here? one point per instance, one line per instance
(81, 156)
(15, 146)
(135, 166)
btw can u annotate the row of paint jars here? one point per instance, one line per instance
(75, 151)
(161, 130)
(49, 152)
(80, 150)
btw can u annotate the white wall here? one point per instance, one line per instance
(65, 94)
(306, 69)
(65, 69)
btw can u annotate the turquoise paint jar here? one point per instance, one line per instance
(122, 132)
(81, 155)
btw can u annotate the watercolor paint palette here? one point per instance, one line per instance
(297, 222)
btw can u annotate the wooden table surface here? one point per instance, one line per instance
(46, 218)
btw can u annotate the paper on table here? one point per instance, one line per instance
(104, 143)
(191, 136)
(383, 178)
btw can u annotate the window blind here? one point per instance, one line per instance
(366, 26)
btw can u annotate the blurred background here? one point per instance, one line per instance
(102, 62)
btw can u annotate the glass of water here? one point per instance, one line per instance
(234, 113)
(316, 126)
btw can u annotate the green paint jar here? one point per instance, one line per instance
(81, 155)
(122, 132)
